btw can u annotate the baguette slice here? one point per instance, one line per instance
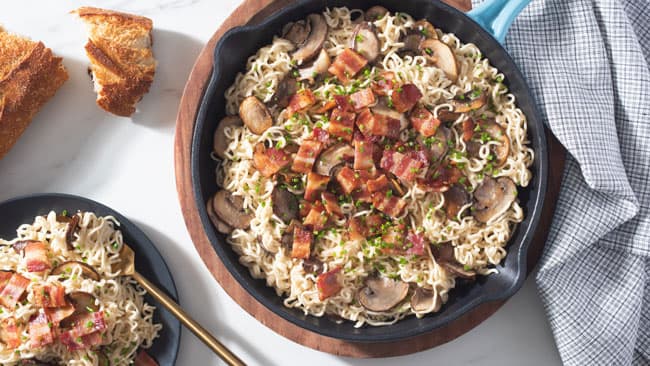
(29, 76)
(122, 62)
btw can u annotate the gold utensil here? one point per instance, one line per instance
(127, 266)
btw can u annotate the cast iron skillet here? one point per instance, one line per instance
(230, 58)
(148, 260)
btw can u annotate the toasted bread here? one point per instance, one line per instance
(122, 62)
(29, 76)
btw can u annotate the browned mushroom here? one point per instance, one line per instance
(382, 293)
(313, 265)
(365, 41)
(219, 224)
(287, 236)
(493, 197)
(333, 156)
(83, 302)
(447, 116)
(426, 29)
(436, 146)
(441, 56)
(455, 198)
(72, 228)
(310, 47)
(470, 101)
(425, 300)
(497, 133)
(375, 13)
(285, 204)
(444, 255)
(220, 141)
(319, 66)
(297, 32)
(287, 86)
(255, 115)
(66, 269)
(230, 209)
(412, 43)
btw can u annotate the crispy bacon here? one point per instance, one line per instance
(363, 151)
(40, 330)
(384, 84)
(388, 203)
(51, 295)
(306, 156)
(441, 179)
(10, 333)
(84, 325)
(405, 97)
(348, 179)
(269, 160)
(363, 98)
(302, 238)
(342, 124)
(316, 184)
(331, 204)
(329, 284)
(373, 124)
(57, 314)
(36, 257)
(424, 121)
(468, 129)
(82, 342)
(305, 207)
(415, 243)
(325, 106)
(347, 64)
(317, 218)
(365, 226)
(343, 103)
(301, 101)
(378, 184)
(320, 135)
(5, 276)
(143, 359)
(13, 290)
(405, 166)
(393, 239)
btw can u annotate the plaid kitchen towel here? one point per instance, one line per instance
(587, 62)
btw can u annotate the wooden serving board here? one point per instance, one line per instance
(250, 12)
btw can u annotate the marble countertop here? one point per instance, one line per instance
(74, 147)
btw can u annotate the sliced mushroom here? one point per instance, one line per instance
(382, 293)
(447, 116)
(412, 43)
(441, 56)
(455, 198)
(313, 265)
(436, 146)
(444, 255)
(365, 41)
(426, 29)
(391, 113)
(458, 270)
(468, 102)
(287, 236)
(395, 184)
(308, 49)
(255, 115)
(375, 13)
(67, 268)
(297, 32)
(230, 209)
(501, 150)
(72, 228)
(318, 67)
(220, 141)
(285, 204)
(333, 156)
(425, 300)
(287, 87)
(219, 224)
(493, 197)
(83, 302)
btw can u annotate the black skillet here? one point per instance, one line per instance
(230, 58)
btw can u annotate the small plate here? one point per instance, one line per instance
(148, 260)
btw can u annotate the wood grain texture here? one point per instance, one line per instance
(252, 11)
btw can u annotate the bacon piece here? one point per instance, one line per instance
(40, 330)
(377, 124)
(362, 194)
(325, 106)
(347, 64)
(363, 98)
(384, 84)
(302, 239)
(82, 342)
(348, 179)
(306, 156)
(441, 179)
(52, 296)
(329, 283)
(342, 124)
(269, 160)
(320, 135)
(13, 290)
(305, 207)
(365, 226)
(317, 218)
(316, 184)
(57, 314)
(405, 97)
(424, 121)
(84, 325)
(388, 203)
(378, 184)
(36, 257)
(143, 359)
(10, 333)
(468, 129)
(331, 204)
(415, 243)
(393, 239)
(363, 151)
(343, 103)
(404, 166)
(5, 276)
(301, 101)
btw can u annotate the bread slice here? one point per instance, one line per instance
(29, 76)
(122, 62)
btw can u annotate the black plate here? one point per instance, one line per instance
(148, 260)
(230, 58)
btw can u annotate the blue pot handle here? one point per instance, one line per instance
(496, 16)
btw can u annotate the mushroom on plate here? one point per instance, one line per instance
(375, 13)
(255, 115)
(287, 86)
(444, 255)
(496, 133)
(312, 44)
(426, 29)
(436, 146)
(441, 56)
(285, 204)
(296, 32)
(332, 157)
(230, 209)
(67, 268)
(318, 67)
(493, 197)
(470, 101)
(219, 224)
(382, 293)
(425, 300)
(456, 197)
(220, 141)
(412, 43)
(365, 41)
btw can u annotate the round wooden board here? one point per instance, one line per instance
(251, 11)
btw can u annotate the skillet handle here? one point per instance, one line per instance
(496, 16)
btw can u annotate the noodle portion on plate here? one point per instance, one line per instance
(61, 301)
(367, 163)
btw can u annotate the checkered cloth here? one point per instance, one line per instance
(587, 63)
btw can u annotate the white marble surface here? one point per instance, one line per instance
(74, 147)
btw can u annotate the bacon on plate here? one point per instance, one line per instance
(387, 203)
(40, 330)
(306, 156)
(301, 101)
(331, 204)
(342, 124)
(376, 124)
(348, 179)
(36, 258)
(468, 129)
(316, 184)
(363, 153)
(384, 83)
(378, 184)
(346, 65)
(269, 160)
(143, 359)
(363, 227)
(362, 98)
(424, 121)
(405, 97)
(317, 218)
(10, 332)
(405, 166)
(57, 314)
(302, 238)
(13, 290)
(329, 283)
